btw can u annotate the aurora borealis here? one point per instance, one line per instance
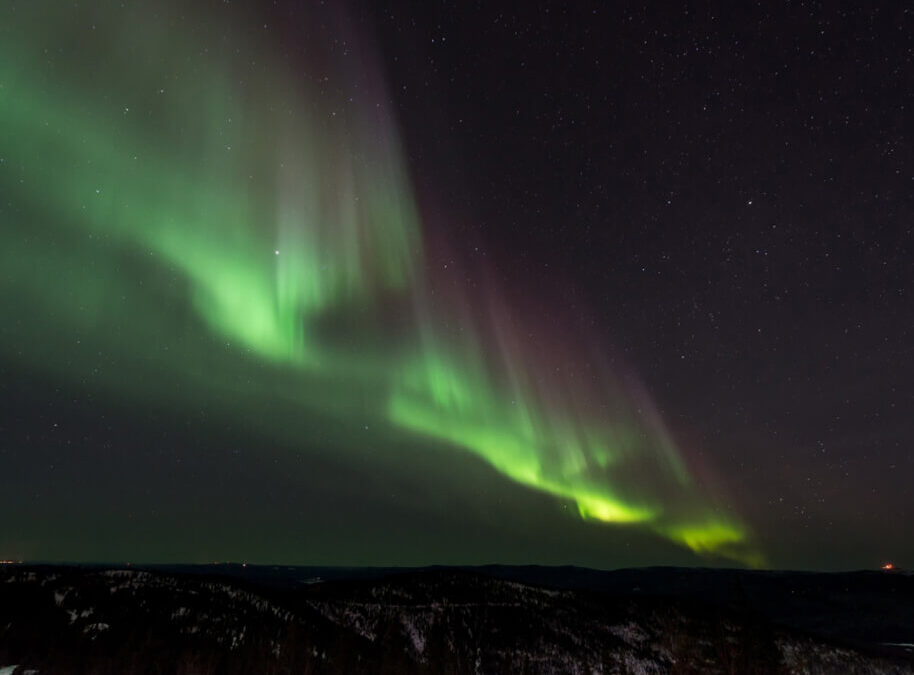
(196, 211)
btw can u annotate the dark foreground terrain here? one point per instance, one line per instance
(235, 619)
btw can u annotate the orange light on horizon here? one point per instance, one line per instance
(888, 566)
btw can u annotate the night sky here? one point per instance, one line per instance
(428, 282)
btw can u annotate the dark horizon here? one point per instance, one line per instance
(895, 569)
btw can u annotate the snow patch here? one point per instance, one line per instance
(96, 628)
(630, 633)
(414, 634)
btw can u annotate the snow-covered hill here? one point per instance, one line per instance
(81, 620)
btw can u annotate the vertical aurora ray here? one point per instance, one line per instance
(276, 209)
(263, 254)
(585, 443)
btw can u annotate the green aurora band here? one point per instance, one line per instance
(202, 189)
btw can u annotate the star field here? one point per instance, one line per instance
(412, 283)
